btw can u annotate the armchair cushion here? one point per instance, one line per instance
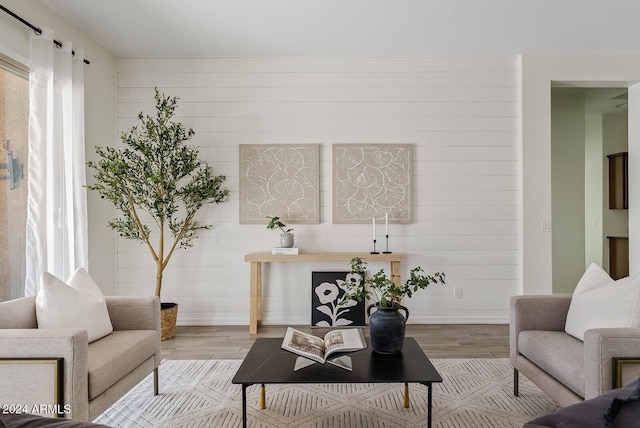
(558, 354)
(116, 354)
(600, 302)
(79, 304)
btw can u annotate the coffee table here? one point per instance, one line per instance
(267, 363)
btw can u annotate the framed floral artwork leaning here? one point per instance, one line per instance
(329, 307)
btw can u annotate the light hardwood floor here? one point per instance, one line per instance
(437, 340)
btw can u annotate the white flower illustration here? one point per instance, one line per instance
(333, 303)
(327, 292)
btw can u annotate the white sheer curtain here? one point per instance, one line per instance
(56, 208)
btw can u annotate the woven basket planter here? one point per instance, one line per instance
(168, 316)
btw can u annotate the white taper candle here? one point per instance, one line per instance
(386, 224)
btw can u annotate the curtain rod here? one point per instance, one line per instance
(37, 30)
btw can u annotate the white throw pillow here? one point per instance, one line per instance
(600, 302)
(79, 304)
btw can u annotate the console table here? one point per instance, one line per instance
(256, 260)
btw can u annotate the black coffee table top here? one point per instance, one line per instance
(267, 363)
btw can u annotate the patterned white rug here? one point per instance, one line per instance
(475, 393)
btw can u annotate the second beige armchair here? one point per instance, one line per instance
(568, 369)
(94, 375)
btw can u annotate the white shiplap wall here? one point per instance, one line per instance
(460, 115)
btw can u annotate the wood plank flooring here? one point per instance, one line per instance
(437, 340)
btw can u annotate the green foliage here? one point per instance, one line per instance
(382, 289)
(275, 222)
(156, 174)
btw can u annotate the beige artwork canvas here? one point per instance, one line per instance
(280, 180)
(372, 181)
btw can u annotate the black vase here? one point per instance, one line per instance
(386, 328)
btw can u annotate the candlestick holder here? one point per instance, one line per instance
(374, 248)
(387, 249)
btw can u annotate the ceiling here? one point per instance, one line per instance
(598, 100)
(430, 28)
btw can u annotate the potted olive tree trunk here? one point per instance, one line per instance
(157, 183)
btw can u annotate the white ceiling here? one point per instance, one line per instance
(431, 28)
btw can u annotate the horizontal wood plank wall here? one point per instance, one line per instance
(460, 115)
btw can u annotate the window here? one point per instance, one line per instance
(14, 125)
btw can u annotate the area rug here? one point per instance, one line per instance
(199, 393)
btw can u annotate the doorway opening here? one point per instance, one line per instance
(587, 125)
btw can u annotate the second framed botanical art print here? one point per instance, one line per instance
(329, 308)
(372, 181)
(279, 180)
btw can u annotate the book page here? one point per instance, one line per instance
(344, 340)
(304, 344)
(334, 340)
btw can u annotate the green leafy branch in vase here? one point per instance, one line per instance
(382, 289)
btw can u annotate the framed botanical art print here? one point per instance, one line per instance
(279, 180)
(328, 306)
(372, 181)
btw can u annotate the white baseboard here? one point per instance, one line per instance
(195, 320)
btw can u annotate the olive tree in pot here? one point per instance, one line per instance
(157, 183)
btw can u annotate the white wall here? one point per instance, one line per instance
(595, 194)
(458, 113)
(463, 117)
(537, 74)
(568, 190)
(634, 176)
(100, 118)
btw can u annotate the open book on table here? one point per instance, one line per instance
(320, 349)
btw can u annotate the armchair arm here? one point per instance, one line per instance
(69, 344)
(18, 313)
(601, 345)
(548, 313)
(134, 312)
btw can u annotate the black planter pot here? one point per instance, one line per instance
(386, 328)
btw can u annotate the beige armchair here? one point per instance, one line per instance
(568, 369)
(93, 375)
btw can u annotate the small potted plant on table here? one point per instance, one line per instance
(286, 237)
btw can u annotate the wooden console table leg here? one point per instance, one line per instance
(395, 272)
(259, 284)
(255, 297)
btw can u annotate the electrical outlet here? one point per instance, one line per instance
(457, 292)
